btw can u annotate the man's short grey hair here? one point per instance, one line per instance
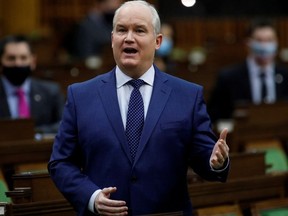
(155, 17)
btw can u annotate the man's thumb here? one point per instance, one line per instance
(223, 134)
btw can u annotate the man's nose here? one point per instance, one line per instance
(18, 62)
(129, 37)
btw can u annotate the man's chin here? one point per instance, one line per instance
(264, 60)
(130, 64)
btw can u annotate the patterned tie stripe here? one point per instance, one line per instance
(135, 117)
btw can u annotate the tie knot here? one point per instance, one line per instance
(136, 83)
(20, 92)
(262, 74)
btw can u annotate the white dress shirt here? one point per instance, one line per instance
(123, 92)
(255, 81)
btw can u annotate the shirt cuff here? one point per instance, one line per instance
(91, 203)
(225, 166)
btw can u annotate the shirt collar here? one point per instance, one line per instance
(122, 78)
(11, 89)
(254, 69)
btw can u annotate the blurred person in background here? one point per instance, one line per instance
(163, 54)
(22, 96)
(93, 34)
(257, 80)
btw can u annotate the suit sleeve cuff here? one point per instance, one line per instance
(91, 204)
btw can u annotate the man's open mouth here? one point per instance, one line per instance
(130, 50)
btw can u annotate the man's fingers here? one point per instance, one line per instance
(104, 199)
(223, 134)
(109, 190)
(106, 206)
(113, 203)
(223, 149)
(215, 163)
(107, 210)
(112, 207)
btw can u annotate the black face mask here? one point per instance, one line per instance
(16, 75)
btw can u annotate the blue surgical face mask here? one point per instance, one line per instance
(263, 49)
(165, 48)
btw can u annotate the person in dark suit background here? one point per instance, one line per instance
(258, 80)
(92, 35)
(22, 96)
(96, 165)
(44, 99)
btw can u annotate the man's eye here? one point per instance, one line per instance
(11, 58)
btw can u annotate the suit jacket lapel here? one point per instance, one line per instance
(4, 108)
(158, 101)
(279, 84)
(35, 95)
(109, 99)
(246, 84)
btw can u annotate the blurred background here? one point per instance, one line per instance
(201, 38)
(206, 36)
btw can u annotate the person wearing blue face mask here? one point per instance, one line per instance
(258, 80)
(163, 54)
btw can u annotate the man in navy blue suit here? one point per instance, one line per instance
(91, 162)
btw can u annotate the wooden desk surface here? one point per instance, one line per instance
(25, 151)
(240, 190)
(202, 194)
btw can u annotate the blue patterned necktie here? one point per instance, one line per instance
(135, 117)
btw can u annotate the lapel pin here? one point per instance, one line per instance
(37, 98)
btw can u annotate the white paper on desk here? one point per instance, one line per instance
(2, 210)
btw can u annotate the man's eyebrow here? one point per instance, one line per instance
(141, 25)
(135, 25)
(119, 25)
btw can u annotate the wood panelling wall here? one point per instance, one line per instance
(19, 16)
(213, 30)
(221, 39)
(223, 42)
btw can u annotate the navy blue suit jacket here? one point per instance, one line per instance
(91, 152)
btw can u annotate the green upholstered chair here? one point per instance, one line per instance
(273, 207)
(3, 189)
(275, 156)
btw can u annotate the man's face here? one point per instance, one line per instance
(17, 55)
(265, 34)
(134, 41)
(263, 45)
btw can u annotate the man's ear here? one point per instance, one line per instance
(112, 39)
(33, 62)
(159, 39)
